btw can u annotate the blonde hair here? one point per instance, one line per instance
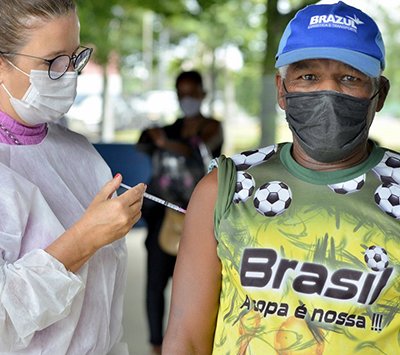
(17, 17)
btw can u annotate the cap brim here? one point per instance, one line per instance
(364, 63)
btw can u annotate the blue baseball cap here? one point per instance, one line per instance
(333, 31)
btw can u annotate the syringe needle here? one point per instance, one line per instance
(158, 200)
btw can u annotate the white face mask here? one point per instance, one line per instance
(45, 100)
(190, 106)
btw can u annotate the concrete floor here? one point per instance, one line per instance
(134, 322)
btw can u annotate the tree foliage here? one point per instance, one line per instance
(252, 26)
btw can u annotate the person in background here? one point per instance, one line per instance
(299, 250)
(179, 146)
(63, 257)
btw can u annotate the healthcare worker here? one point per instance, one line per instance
(62, 255)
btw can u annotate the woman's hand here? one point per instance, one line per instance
(107, 219)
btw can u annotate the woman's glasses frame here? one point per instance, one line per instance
(59, 65)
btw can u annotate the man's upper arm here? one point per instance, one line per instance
(196, 282)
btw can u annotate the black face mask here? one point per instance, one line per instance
(328, 125)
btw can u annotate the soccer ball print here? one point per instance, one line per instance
(376, 258)
(245, 186)
(250, 158)
(388, 170)
(387, 197)
(272, 198)
(350, 186)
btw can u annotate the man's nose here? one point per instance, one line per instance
(329, 84)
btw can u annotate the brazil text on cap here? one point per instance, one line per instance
(333, 31)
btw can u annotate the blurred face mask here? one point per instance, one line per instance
(328, 125)
(190, 106)
(45, 100)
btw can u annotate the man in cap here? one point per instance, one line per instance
(293, 248)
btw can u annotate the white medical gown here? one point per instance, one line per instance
(44, 309)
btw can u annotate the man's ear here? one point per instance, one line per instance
(280, 91)
(384, 87)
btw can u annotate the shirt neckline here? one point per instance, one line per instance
(26, 135)
(329, 177)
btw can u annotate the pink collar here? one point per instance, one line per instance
(15, 133)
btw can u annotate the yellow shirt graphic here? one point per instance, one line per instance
(309, 260)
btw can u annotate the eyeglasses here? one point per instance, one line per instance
(59, 65)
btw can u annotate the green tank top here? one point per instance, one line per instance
(310, 260)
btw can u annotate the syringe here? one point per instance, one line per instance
(158, 200)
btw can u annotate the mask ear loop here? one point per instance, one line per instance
(6, 90)
(377, 93)
(15, 67)
(284, 86)
(20, 70)
(385, 82)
